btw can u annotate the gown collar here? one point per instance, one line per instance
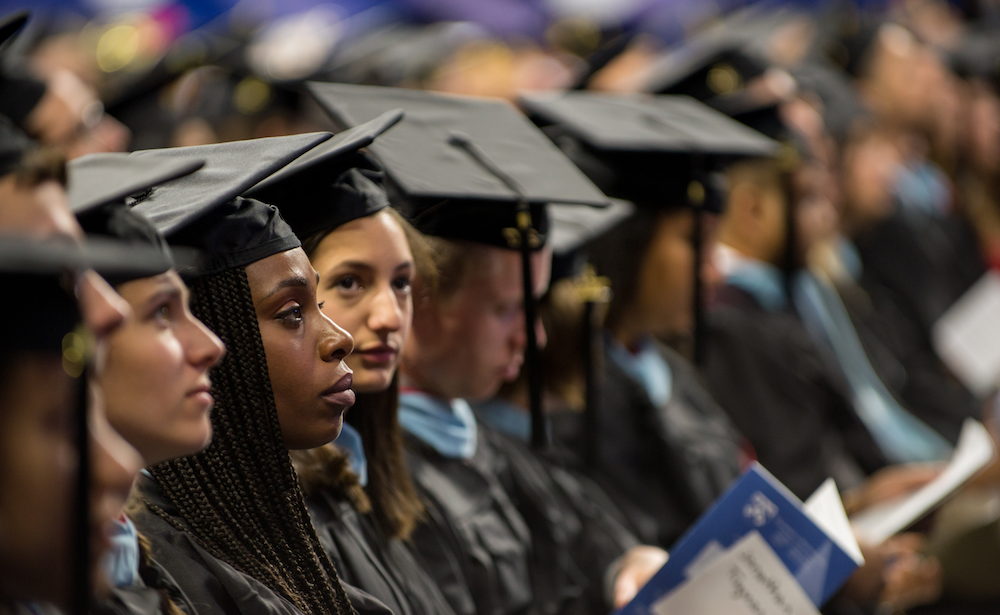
(449, 427)
(350, 442)
(121, 562)
(646, 366)
(763, 281)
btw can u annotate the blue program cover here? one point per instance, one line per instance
(757, 501)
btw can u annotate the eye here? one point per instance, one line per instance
(403, 283)
(291, 317)
(163, 314)
(347, 283)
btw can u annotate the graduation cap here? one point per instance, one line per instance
(10, 25)
(472, 169)
(38, 269)
(98, 186)
(646, 149)
(656, 151)
(331, 184)
(205, 211)
(19, 91)
(572, 230)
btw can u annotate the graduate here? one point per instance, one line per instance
(44, 403)
(469, 336)
(155, 382)
(664, 449)
(358, 489)
(230, 523)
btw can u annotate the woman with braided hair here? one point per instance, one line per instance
(230, 523)
(359, 492)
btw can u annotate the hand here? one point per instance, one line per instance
(638, 565)
(911, 579)
(890, 483)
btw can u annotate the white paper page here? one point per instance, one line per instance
(974, 451)
(967, 337)
(827, 511)
(748, 579)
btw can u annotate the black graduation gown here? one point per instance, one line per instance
(903, 358)
(927, 262)
(662, 465)
(786, 395)
(576, 530)
(474, 543)
(213, 586)
(365, 558)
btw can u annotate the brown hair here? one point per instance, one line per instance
(39, 165)
(240, 498)
(389, 496)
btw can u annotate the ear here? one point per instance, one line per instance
(746, 208)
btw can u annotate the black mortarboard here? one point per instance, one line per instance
(205, 211)
(656, 151)
(19, 91)
(643, 148)
(10, 25)
(99, 179)
(705, 69)
(473, 169)
(458, 165)
(98, 185)
(572, 228)
(331, 184)
(44, 264)
(14, 144)
(37, 269)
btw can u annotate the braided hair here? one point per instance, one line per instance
(240, 497)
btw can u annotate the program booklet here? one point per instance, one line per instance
(758, 550)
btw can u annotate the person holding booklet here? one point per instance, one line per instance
(515, 553)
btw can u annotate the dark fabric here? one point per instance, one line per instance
(785, 395)
(365, 558)
(130, 601)
(927, 262)
(457, 147)
(663, 466)
(576, 529)
(20, 93)
(475, 544)
(901, 355)
(212, 585)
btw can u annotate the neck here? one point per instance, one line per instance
(407, 380)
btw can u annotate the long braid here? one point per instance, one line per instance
(240, 498)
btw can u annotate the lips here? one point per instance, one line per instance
(341, 393)
(378, 355)
(202, 393)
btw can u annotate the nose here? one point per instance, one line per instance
(204, 348)
(102, 308)
(335, 343)
(385, 315)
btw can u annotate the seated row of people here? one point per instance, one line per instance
(406, 242)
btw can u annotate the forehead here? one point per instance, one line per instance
(369, 238)
(267, 272)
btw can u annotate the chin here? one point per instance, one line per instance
(372, 381)
(320, 436)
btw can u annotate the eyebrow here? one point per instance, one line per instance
(164, 292)
(294, 282)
